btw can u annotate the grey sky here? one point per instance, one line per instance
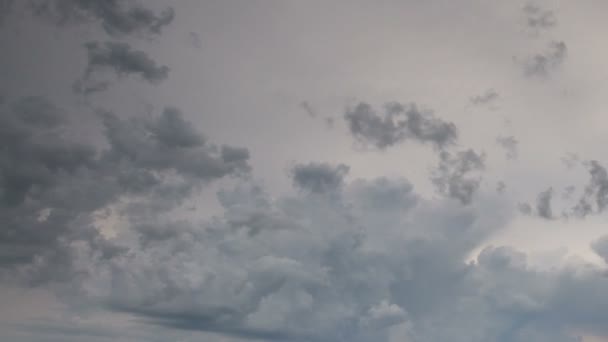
(168, 171)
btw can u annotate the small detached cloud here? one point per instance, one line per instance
(319, 177)
(510, 144)
(120, 59)
(539, 18)
(397, 124)
(501, 187)
(488, 97)
(545, 63)
(543, 204)
(307, 107)
(595, 196)
(457, 175)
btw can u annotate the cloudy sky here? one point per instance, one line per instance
(324, 171)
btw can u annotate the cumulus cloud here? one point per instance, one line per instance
(52, 186)
(510, 144)
(335, 263)
(351, 268)
(376, 260)
(121, 59)
(343, 259)
(457, 175)
(116, 17)
(543, 64)
(398, 123)
(319, 177)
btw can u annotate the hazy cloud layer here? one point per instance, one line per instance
(510, 144)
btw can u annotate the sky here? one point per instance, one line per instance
(323, 171)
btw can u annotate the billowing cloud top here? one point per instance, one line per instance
(167, 172)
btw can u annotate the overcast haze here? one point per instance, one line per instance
(327, 171)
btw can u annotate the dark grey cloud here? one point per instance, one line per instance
(398, 123)
(51, 185)
(595, 196)
(378, 263)
(489, 96)
(319, 177)
(116, 17)
(510, 145)
(121, 59)
(169, 143)
(457, 175)
(539, 18)
(543, 64)
(543, 204)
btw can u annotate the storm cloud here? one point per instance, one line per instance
(51, 185)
